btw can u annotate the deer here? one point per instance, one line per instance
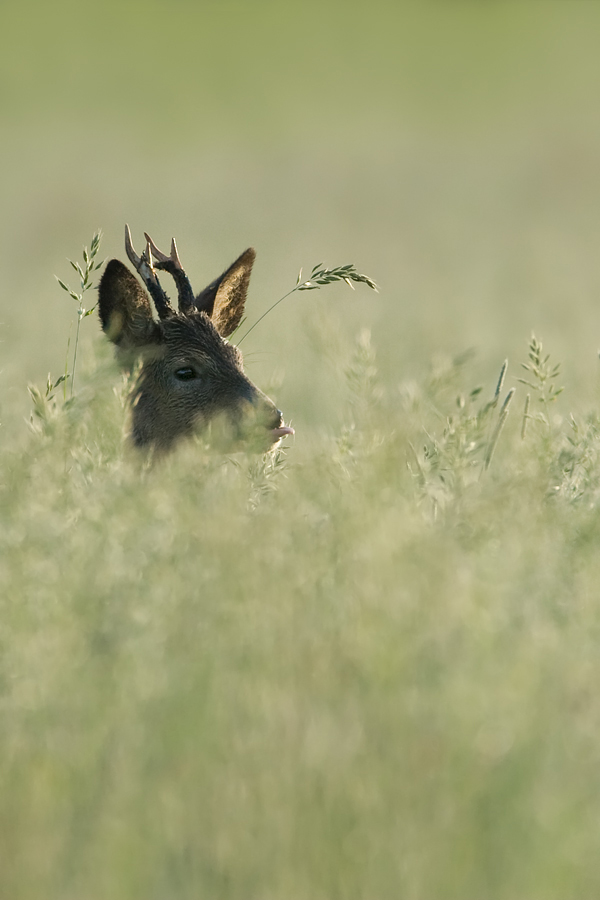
(190, 376)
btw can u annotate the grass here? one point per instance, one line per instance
(365, 668)
(359, 670)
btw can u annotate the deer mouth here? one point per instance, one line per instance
(278, 433)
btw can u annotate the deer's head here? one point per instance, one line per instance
(191, 377)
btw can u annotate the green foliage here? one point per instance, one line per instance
(578, 464)
(44, 403)
(542, 378)
(456, 459)
(85, 273)
(318, 278)
(344, 669)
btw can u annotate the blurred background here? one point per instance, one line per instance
(450, 150)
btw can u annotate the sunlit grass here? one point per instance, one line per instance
(357, 670)
(365, 667)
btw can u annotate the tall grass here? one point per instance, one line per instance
(365, 668)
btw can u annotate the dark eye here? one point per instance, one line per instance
(186, 374)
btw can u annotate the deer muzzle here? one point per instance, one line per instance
(280, 429)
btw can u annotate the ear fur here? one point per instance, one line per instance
(124, 308)
(224, 298)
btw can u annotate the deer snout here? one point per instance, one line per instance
(265, 420)
(279, 430)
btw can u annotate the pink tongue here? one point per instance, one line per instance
(281, 432)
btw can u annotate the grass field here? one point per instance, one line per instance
(365, 667)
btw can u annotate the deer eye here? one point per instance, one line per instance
(186, 374)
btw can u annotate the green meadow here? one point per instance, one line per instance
(365, 666)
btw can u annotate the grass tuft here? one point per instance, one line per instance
(366, 668)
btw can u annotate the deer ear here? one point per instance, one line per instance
(224, 298)
(124, 308)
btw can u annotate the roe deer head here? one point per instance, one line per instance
(191, 377)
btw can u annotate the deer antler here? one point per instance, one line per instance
(172, 265)
(144, 264)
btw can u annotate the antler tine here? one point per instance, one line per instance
(175, 254)
(144, 265)
(133, 257)
(162, 257)
(172, 265)
(158, 254)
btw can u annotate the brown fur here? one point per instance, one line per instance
(191, 377)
